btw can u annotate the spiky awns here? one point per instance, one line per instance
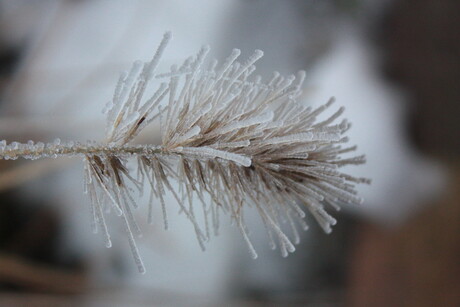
(229, 140)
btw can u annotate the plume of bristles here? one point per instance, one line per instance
(229, 140)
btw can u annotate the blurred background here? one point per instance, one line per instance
(393, 64)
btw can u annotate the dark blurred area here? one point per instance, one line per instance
(361, 263)
(420, 41)
(418, 264)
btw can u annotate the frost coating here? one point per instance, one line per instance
(228, 138)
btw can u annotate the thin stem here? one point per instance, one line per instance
(40, 150)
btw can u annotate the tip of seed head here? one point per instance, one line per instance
(236, 52)
(167, 35)
(258, 53)
(331, 101)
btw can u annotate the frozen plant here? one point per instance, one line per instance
(228, 139)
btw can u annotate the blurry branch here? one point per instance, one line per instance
(14, 176)
(19, 272)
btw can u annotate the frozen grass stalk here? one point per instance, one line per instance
(229, 139)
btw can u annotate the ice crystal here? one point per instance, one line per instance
(228, 139)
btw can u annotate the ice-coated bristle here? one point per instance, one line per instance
(229, 139)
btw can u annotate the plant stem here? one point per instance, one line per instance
(40, 150)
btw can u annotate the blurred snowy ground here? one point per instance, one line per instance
(75, 51)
